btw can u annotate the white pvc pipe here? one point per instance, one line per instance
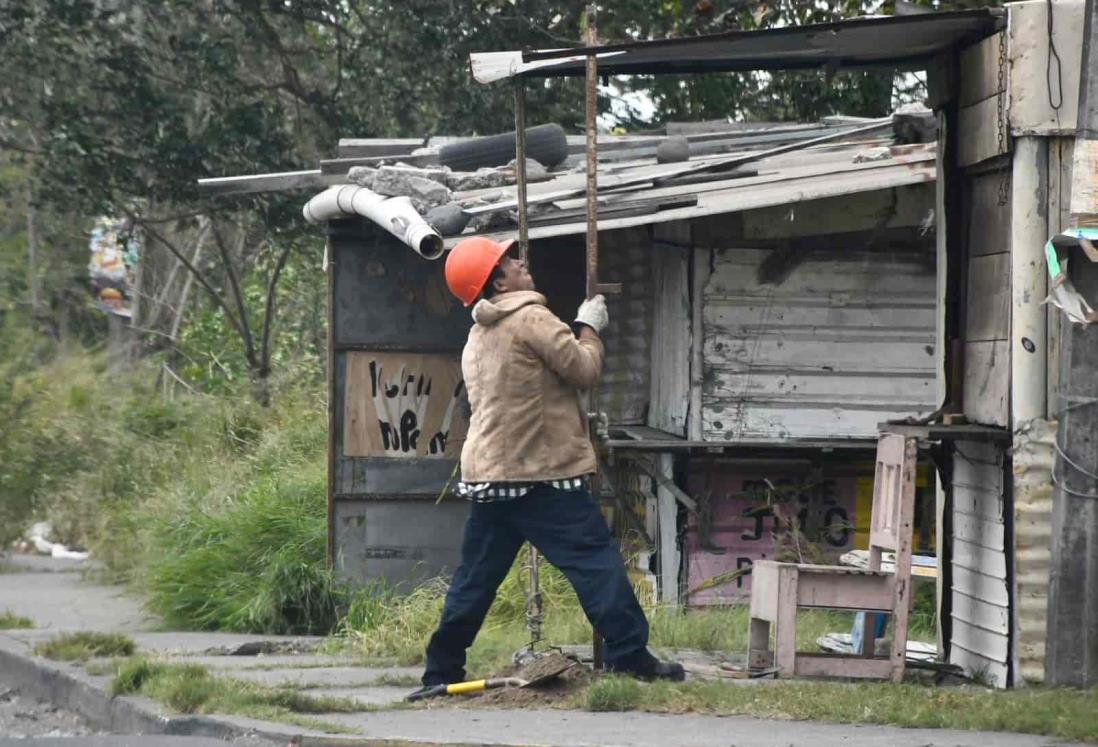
(395, 214)
(1029, 231)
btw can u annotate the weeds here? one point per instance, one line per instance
(1070, 714)
(613, 694)
(10, 621)
(85, 645)
(189, 688)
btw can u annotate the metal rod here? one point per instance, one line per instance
(592, 157)
(597, 644)
(520, 169)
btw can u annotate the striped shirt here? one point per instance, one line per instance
(493, 492)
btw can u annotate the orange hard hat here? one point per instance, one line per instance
(470, 264)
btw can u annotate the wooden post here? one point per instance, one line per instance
(1072, 648)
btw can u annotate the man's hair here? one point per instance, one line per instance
(489, 290)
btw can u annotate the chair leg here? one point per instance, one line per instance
(759, 655)
(785, 644)
(901, 613)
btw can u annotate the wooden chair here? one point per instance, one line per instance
(779, 589)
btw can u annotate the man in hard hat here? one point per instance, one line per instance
(526, 463)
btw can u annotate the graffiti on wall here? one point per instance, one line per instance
(745, 529)
(403, 405)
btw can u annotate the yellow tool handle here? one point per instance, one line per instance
(462, 688)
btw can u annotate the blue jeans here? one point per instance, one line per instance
(570, 531)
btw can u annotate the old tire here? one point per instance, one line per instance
(545, 143)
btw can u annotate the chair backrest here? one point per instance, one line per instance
(893, 497)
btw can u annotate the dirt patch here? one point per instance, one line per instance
(554, 692)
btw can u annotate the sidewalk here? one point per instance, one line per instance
(53, 594)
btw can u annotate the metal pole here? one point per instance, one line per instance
(592, 156)
(520, 168)
(592, 38)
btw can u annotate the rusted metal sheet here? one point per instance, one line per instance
(980, 609)
(1033, 459)
(883, 40)
(396, 423)
(782, 180)
(388, 298)
(836, 343)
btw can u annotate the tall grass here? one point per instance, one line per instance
(211, 505)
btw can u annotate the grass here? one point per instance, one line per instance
(11, 621)
(85, 645)
(189, 688)
(385, 627)
(1068, 714)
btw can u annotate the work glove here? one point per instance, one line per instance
(593, 313)
(600, 426)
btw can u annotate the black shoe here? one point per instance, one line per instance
(650, 668)
(427, 691)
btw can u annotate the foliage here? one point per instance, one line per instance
(190, 688)
(11, 621)
(85, 645)
(613, 694)
(1069, 714)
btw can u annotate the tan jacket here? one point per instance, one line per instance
(523, 368)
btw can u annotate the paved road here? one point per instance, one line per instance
(21, 716)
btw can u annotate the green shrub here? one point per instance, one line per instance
(10, 621)
(249, 562)
(85, 645)
(613, 694)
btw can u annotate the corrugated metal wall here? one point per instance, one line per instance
(980, 640)
(1033, 458)
(840, 342)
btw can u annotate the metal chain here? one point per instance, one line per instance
(1004, 176)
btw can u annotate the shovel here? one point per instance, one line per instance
(552, 668)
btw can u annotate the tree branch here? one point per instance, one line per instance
(268, 315)
(238, 296)
(192, 269)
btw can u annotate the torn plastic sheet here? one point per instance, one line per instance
(1063, 294)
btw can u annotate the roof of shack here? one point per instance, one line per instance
(634, 192)
(869, 41)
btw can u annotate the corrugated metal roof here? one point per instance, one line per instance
(811, 174)
(891, 41)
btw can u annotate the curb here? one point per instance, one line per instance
(68, 686)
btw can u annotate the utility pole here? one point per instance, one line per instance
(1072, 648)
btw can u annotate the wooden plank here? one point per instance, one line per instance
(699, 282)
(402, 405)
(980, 70)
(986, 534)
(845, 591)
(979, 125)
(667, 528)
(980, 586)
(994, 673)
(354, 147)
(987, 382)
(785, 645)
(981, 614)
(904, 206)
(991, 646)
(764, 590)
(822, 665)
(988, 221)
(671, 340)
(280, 182)
(1030, 110)
(988, 300)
